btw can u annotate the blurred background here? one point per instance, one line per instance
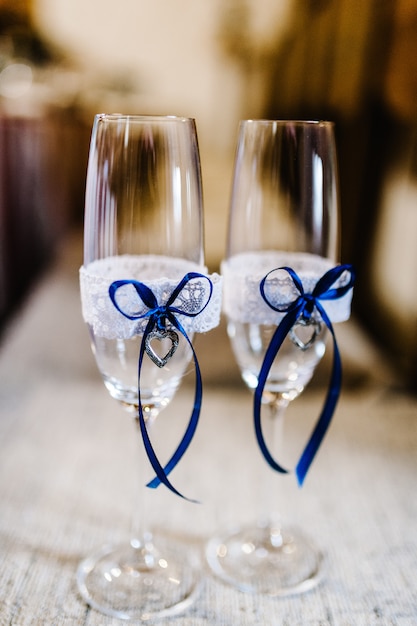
(351, 61)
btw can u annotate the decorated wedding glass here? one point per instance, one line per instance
(283, 291)
(145, 292)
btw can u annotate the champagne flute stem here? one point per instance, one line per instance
(272, 516)
(140, 534)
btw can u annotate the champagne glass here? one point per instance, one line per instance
(143, 242)
(284, 213)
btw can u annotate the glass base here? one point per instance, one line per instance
(266, 559)
(135, 583)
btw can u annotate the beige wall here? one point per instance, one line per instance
(171, 50)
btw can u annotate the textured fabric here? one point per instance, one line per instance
(68, 454)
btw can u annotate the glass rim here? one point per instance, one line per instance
(284, 122)
(128, 117)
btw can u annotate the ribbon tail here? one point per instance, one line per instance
(153, 459)
(281, 332)
(326, 415)
(192, 425)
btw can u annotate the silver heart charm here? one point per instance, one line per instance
(159, 335)
(302, 342)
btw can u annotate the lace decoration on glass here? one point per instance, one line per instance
(161, 274)
(243, 273)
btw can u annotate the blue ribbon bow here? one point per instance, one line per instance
(158, 316)
(302, 308)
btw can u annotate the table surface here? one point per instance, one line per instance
(67, 486)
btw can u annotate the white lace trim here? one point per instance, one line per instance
(242, 274)
(161, 274)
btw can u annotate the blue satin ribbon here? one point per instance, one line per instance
(303, 308)
(158, 316)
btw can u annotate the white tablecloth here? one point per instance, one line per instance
(67, 459)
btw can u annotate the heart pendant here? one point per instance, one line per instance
(159, 335)
(304, 338)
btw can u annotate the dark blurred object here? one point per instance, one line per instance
(18, 34)
(387, 293)
(41, 197)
